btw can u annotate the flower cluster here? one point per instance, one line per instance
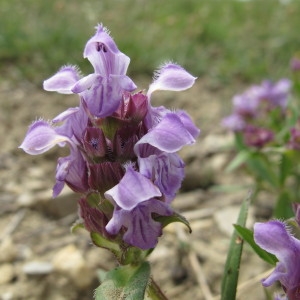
(123, 158)
(276, 238)
(258, 111)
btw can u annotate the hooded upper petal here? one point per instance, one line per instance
(41, 137)
(63, 81)
(104, 55)
(171, 77)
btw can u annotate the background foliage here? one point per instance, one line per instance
(225, 40)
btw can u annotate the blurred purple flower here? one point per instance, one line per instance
(274, 237)
(274, 94)
(294, 142)
(257, 137)
(295, 64)
(234, 122)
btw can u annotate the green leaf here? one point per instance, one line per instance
(103, 242)
(247, 235)
(283, 208)
(77, 225)
(240, 159)
(175, 217)
(125, 282)
(262, 168)
(232, 265)
(286, 166)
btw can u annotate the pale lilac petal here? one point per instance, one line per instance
(277, 274)
(234, 122)
(63, 81)
(188, 123)
(61, 174)
(170, 135)
(124, 82)
(275, 238)
(119, 219)
(171, 77)
(58, 187)
(66, 114)
(166, 170)
(133, 189)
(87, 82)
(71, 170)
(41, 137)
(104, 54)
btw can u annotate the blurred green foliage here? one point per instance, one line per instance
(225, 40)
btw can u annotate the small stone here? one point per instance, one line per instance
(70, 262)
(7, 273)
(8, 251)
(226, 217)
(37, 268)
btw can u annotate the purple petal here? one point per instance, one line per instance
(170, 135)
(188, 123)
(41, 137)
(142, 230)
(171, 77)
(167, 171)
(133, 189)
(87, 82)
(275, 238)
(124, 82)
(234, 122)
(71, 170)
(66, 114)
(104, 54)
(63, 81)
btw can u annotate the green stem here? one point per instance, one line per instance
(154, 292)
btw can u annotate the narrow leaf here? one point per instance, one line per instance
(283, 208)
(240, 159)
(261, 167)
(232, 265)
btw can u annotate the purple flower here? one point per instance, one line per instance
(123, 158)
(274, 94)
(234, 122)
(275, 238)
(294, 142)
(257, 137)
(295, 64)
(135, 199)
(103, 90)
(246, 105)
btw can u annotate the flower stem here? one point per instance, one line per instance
(154, 292)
